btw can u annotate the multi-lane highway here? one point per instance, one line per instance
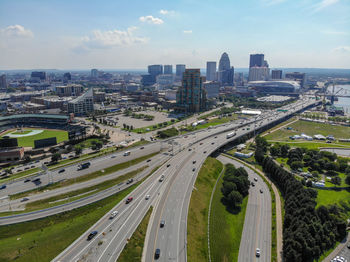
(257, 224)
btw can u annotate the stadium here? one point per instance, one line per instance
(280, 86)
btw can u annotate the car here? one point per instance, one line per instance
(92, 235)
(61, 170)
(261, 191)
(147, 197)
(32, 166)
(253, 184)
(212, 143)
(200, 143)
(24, 199)
(26, 168)
(157, 253)
(128, 200)
(114, 156)
(204, 152)
(37, 161)
(126, 153)
(113, 214)
(167, 165)
(194, 161)
(148, 160)
(36, 179)
(257, 252)
(46, 162)
(190, 149)
(215, 137)
(19, 170)
(142, 147)
(162, 223)
(193, 169)
(27, 180)
(161, 178)
(348, 246)
(129, 181)
(3, 187)
(255, 179)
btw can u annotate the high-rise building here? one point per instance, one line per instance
(297, 76)
(212, 89)
(239, 79)
(155, 70)
(3, 82)
(191, 96)
(276, 74)
(38, 75)
(168, 69)
(69, 90)
(67, 77)
(94, 73)
(83, 104)
(211, 71)
(256, 60)
(257, 73)
(180, 69)
(226, 72)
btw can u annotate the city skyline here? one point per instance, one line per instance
(117, 35)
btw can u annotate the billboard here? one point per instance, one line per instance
(51, 141)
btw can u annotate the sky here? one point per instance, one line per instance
(116, 34)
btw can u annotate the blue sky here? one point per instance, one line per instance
(114, 34)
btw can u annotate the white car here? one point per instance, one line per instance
(257, 253)
(147, 197)
(113, 214)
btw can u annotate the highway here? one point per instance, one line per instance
(170, 197)
(98, 163)
(257, 223)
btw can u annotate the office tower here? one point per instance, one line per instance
(155, 70)
(94, 73)
(296, 76)
(69, 90)
(239, 79)
(257, 73)
(212, 89)
(276, 74)
(224, 63)
(211, 71)
(191, 96)
(3, 82)
(180, 69)
(83, 104)
(168, 69)
(38, 75)
(256, 60)
(226, 72)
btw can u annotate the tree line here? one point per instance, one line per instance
(307, 231)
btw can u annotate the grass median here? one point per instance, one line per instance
(44, 239)
(225, 228)
(84, 178)
(133, 249)
(197, 224)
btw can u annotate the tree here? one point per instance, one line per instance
(284, 150)
(296, 165)
(27, 159)
(234, 199)
(347, 180)
(78, 150)
(309, 183)
(55, 157)
(227, 188)
(336, 180)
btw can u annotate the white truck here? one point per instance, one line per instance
(231, 134)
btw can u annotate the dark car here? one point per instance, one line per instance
(157, 253)
(194, 161)
(92, 235)
(61, 170)
(193, 169)
(162, 223)
(148, 160)
(142, 147)
(3, 187)
(167, 165)
(212, 143)
(216, 137)
(27, 180)
(24, 199)
(130, 181)
(189, 149)
(204, 152)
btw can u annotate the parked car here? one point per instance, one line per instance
(92, 235)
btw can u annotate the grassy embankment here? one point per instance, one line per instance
(197, 224)
(133, 249)
(43, 239)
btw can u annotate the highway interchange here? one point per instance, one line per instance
(171, 197)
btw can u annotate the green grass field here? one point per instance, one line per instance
(133, 249)
(225, 228)
(43, 239)
(310, 128)
(197, 224)
(330, 197)
(28, 141)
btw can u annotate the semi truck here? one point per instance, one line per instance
(231, 134)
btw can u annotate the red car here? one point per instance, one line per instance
(128, 200)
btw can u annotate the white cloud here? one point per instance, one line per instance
(152, 20)
(111, 38)
(342, 49)
(166, 12)
(187, 31)
(330, 32)
(16, 31)
(323, 4)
